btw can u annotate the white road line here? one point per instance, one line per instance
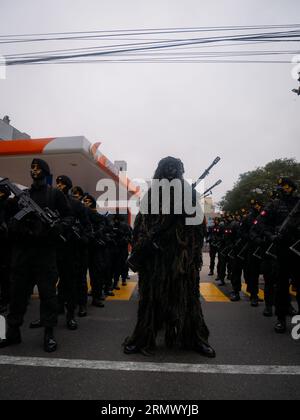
(150, 367)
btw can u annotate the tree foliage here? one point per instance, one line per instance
(259, 184)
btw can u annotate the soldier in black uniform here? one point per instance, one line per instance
(239, 240)
(213, 239)
(83, 260)
(4, 250)
(122, 237)
(34, 260)
(69, 255)
(271, 219)
(226, 244)
(98, 265)
(252, 268)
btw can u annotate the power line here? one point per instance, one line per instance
(149, 47)
(154, 31)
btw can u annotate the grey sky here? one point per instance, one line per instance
(245, 113)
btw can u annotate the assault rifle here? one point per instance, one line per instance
(76, 230)
(259, 253)
(296, 248)
(232, 252)
(244, 251)
(217, 244)
(272, 250)
(27, 206)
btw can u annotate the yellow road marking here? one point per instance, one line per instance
(211, 293)
(125, 293)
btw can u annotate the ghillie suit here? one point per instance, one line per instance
(168, 275)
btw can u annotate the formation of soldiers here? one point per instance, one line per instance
(262, 240)
(33, 253)
(38, 248)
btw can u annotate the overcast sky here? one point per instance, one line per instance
(245, 113)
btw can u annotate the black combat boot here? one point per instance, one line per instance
(280, 327)
(13, 337)
(109, 293)
(98, 303)
(131, 349)
(35, 324)
(205, 350)
(254, 302)
(71, 322)
(50, 344)
(222, 282)
(82, 312)
(235, 297)
(292, 311)
(268, 312)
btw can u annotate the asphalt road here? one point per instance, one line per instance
(252, 361)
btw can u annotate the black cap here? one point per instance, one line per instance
(43, 165)
(65, 180)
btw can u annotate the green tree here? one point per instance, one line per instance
(259, 184)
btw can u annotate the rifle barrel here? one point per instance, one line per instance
(206, 172)
(212, 187)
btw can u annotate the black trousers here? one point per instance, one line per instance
(33, 266)
(270, 272)
(288, 270)
(67, 271)
(212, 253)
(4, 284)
(252, 273)
(110, 261)
(81, 277)
(120, 266)
(222, 266)
(5, 256)
(237, 271)
(98, 270)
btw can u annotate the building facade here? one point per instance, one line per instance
(8, 132)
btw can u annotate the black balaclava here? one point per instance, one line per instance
(77, 193)
(39, 177)
(93, 205)
(65, 180)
